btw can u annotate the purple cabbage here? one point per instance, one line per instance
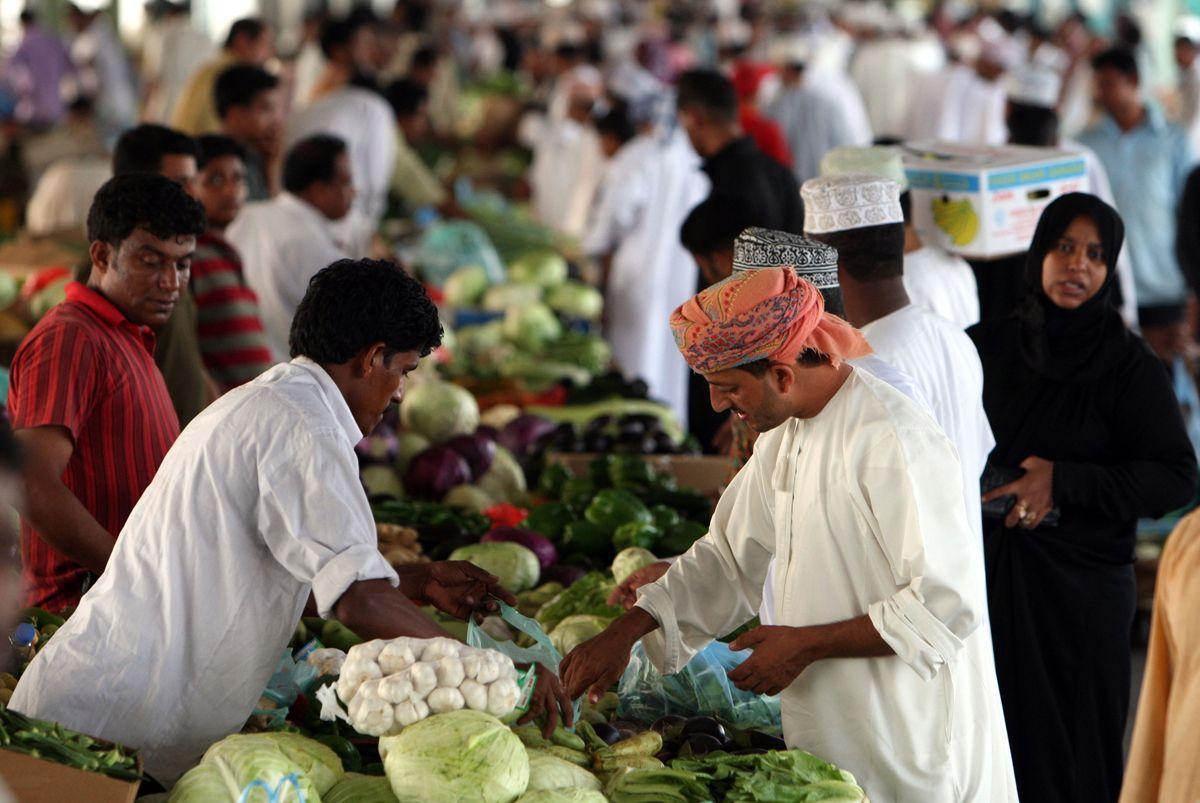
(433, 472)
(378, 447)
(563, 573)
(522, 434)
(478, 450)
(537, 543)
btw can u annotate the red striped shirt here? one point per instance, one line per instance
(230, 331)
(89, 369)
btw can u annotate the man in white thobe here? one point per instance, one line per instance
(853, 491)
(256, 507)
(651, 184)
(935, 279)
(365, 121)
(568, 163)
(939, 356)
(1187, 48)
(286, 240)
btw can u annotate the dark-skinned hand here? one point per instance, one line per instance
(462, 590)
(1034, 493)
(595, 665)
(625, 595)
(549, 699)
(780, 655)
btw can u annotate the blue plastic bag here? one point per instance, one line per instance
(447, 246)
(702, 688)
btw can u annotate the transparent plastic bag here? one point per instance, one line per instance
(702, 688)
(541, 652)
(447, 246)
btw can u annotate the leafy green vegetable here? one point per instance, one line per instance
(563, 796)
(461, 755)
(577, 300)
(439, 410)
(577, 493)
(531, 326)
(543, 268)
(234, 762)
(318, 761)
(505, 479)
(613, 507)
(417, 514)
(469, 497)
(466, 286)
(574, 630)
(656, 786)
(355, 788)
(550, 520)
(589, 594)
(640, 534)
(665, 518)
(629, 560)
(588, 352)
(780, 776)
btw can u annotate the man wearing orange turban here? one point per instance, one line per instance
(856, 495)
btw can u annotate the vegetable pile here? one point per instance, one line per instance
(52, 742)
(235, 762)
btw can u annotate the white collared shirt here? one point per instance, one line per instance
(283, 243)
(256, 504)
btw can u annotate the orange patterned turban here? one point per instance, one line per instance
(762, 314)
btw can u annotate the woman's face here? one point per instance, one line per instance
(1074, 268)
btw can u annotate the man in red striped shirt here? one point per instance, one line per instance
(232, 341)
(87, 402)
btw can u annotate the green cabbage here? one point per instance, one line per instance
(355, 788)
(574, 630)
(317, 761)
(515, 565)
(236, 761)
(629, 560)
(509, 296)
(408, 446)
(543, 268)
(577, 300)
(462, 756)
(563, 796)
(466, 286)
(439, 410)
(504, 481)
(469, 497)
(381, 480)
(531, 326)
(547, 771)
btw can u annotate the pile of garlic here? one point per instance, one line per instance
(389, 684)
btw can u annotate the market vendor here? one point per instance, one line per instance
(856, 495)
(88, 405)
(258, 505)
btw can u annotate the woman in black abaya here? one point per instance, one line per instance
(1083, 407)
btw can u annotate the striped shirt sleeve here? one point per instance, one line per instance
(55, 380)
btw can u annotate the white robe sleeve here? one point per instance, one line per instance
(716, 586)
(315, 522)
(911, 486)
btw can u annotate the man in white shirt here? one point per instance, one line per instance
(365, 121)
(286, 240)
(935, 279)
(256, 507)
(650, 185)
(939, 356)
(1187, 48)
(102, 71)
(169, 59)
(855, 495)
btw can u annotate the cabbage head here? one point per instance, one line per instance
(318, 762)
(466, 286)
(532, 326)
(504, 481)
(469, 497)
(461, 756)
(574, 630)
(544, 268)
(234, 763)
(409, 445)
(629, 560)
(439, 410)
(547, 771)
(562, 796)
(516, 566)
(577, 300)
(506, 296)
(355, 788)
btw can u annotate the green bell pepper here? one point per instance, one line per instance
(613, 507)
(636, 533)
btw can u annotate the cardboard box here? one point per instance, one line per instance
(984, 202)
(705, 473)
(35, 780)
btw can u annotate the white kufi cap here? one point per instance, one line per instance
(851, 201)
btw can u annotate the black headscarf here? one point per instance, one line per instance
(1081, 344)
